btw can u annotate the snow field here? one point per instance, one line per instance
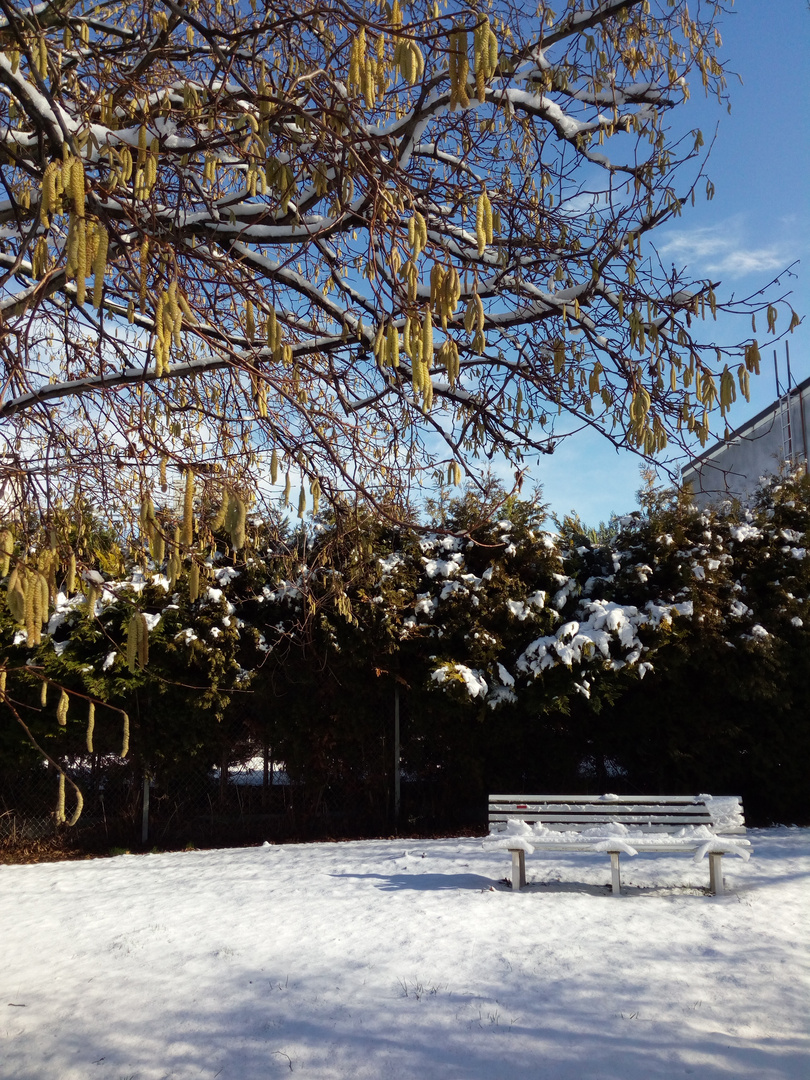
(403, 959)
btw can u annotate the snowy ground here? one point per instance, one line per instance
(405, 959)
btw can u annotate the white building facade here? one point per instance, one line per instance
(774, 439)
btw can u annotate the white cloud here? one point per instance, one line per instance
(724, 249)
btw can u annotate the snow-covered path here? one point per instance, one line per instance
(398, 959)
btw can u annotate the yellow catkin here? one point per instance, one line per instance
(132, 642)
(100, 265)
(188, 510)
(143, 641)
(43, 693)
(427, 341)
(62, 709)
(6, 549)
(74, 817)
(31, 611)
(273, 467)
(237, 530)
(15, 595)
(92, 596)
(157, 545)
(219, 518)
(144, 264)
(39, 262)
(91, 724)
(47, 200)
(458, 68)
(194, 582)
(174, 321)
(3, 674)
(60, 800)
(393, 346)
(125, 736)
(77, 186)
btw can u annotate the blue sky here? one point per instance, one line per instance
(757, 224)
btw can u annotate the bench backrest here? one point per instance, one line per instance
(650, 813)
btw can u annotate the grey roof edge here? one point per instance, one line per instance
(740, 432)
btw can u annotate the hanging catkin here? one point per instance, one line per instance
(62, 709)
(237, 524)
(194, 582)
(100, 265)
(125, 738)
(188, 510)
(137, 641)
(91, 723)
(15, 593)
(70, 580)
(60, 800)
(74, 817)
(6, 550)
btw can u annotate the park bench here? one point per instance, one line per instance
(619, 824)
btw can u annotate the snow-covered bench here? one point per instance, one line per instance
(619, 824)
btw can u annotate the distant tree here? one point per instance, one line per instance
(344, 241)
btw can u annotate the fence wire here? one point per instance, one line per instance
(250, 800)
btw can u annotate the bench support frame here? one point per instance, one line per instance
(615, 873)
(716, 886)
(518, 868)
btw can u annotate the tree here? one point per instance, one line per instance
(346, 241)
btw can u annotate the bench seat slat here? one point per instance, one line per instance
(634, 841)
(598, 815)
(571, 824)
(600, 799)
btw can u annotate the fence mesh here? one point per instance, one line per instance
(248, 801)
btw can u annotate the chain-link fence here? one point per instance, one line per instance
(246, 801)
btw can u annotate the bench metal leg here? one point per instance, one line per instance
(518, 868)
(716, 887)
(615, 873)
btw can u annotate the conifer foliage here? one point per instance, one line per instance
(666, 653)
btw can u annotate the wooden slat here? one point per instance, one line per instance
(576, 823)
(600, 799)
(576, 812)
(636, 842)
(589, 815)
(599, 808)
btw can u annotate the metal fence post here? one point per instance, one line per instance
(145, 811)
(396, 755)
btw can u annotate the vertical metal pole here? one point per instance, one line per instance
(145, 811)
(265, 772)
(396, 754)
(804, 432)
(789, 418)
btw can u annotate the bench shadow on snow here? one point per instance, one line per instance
(478, 883)
(424, 882)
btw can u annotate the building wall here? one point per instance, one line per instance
(731, 470)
